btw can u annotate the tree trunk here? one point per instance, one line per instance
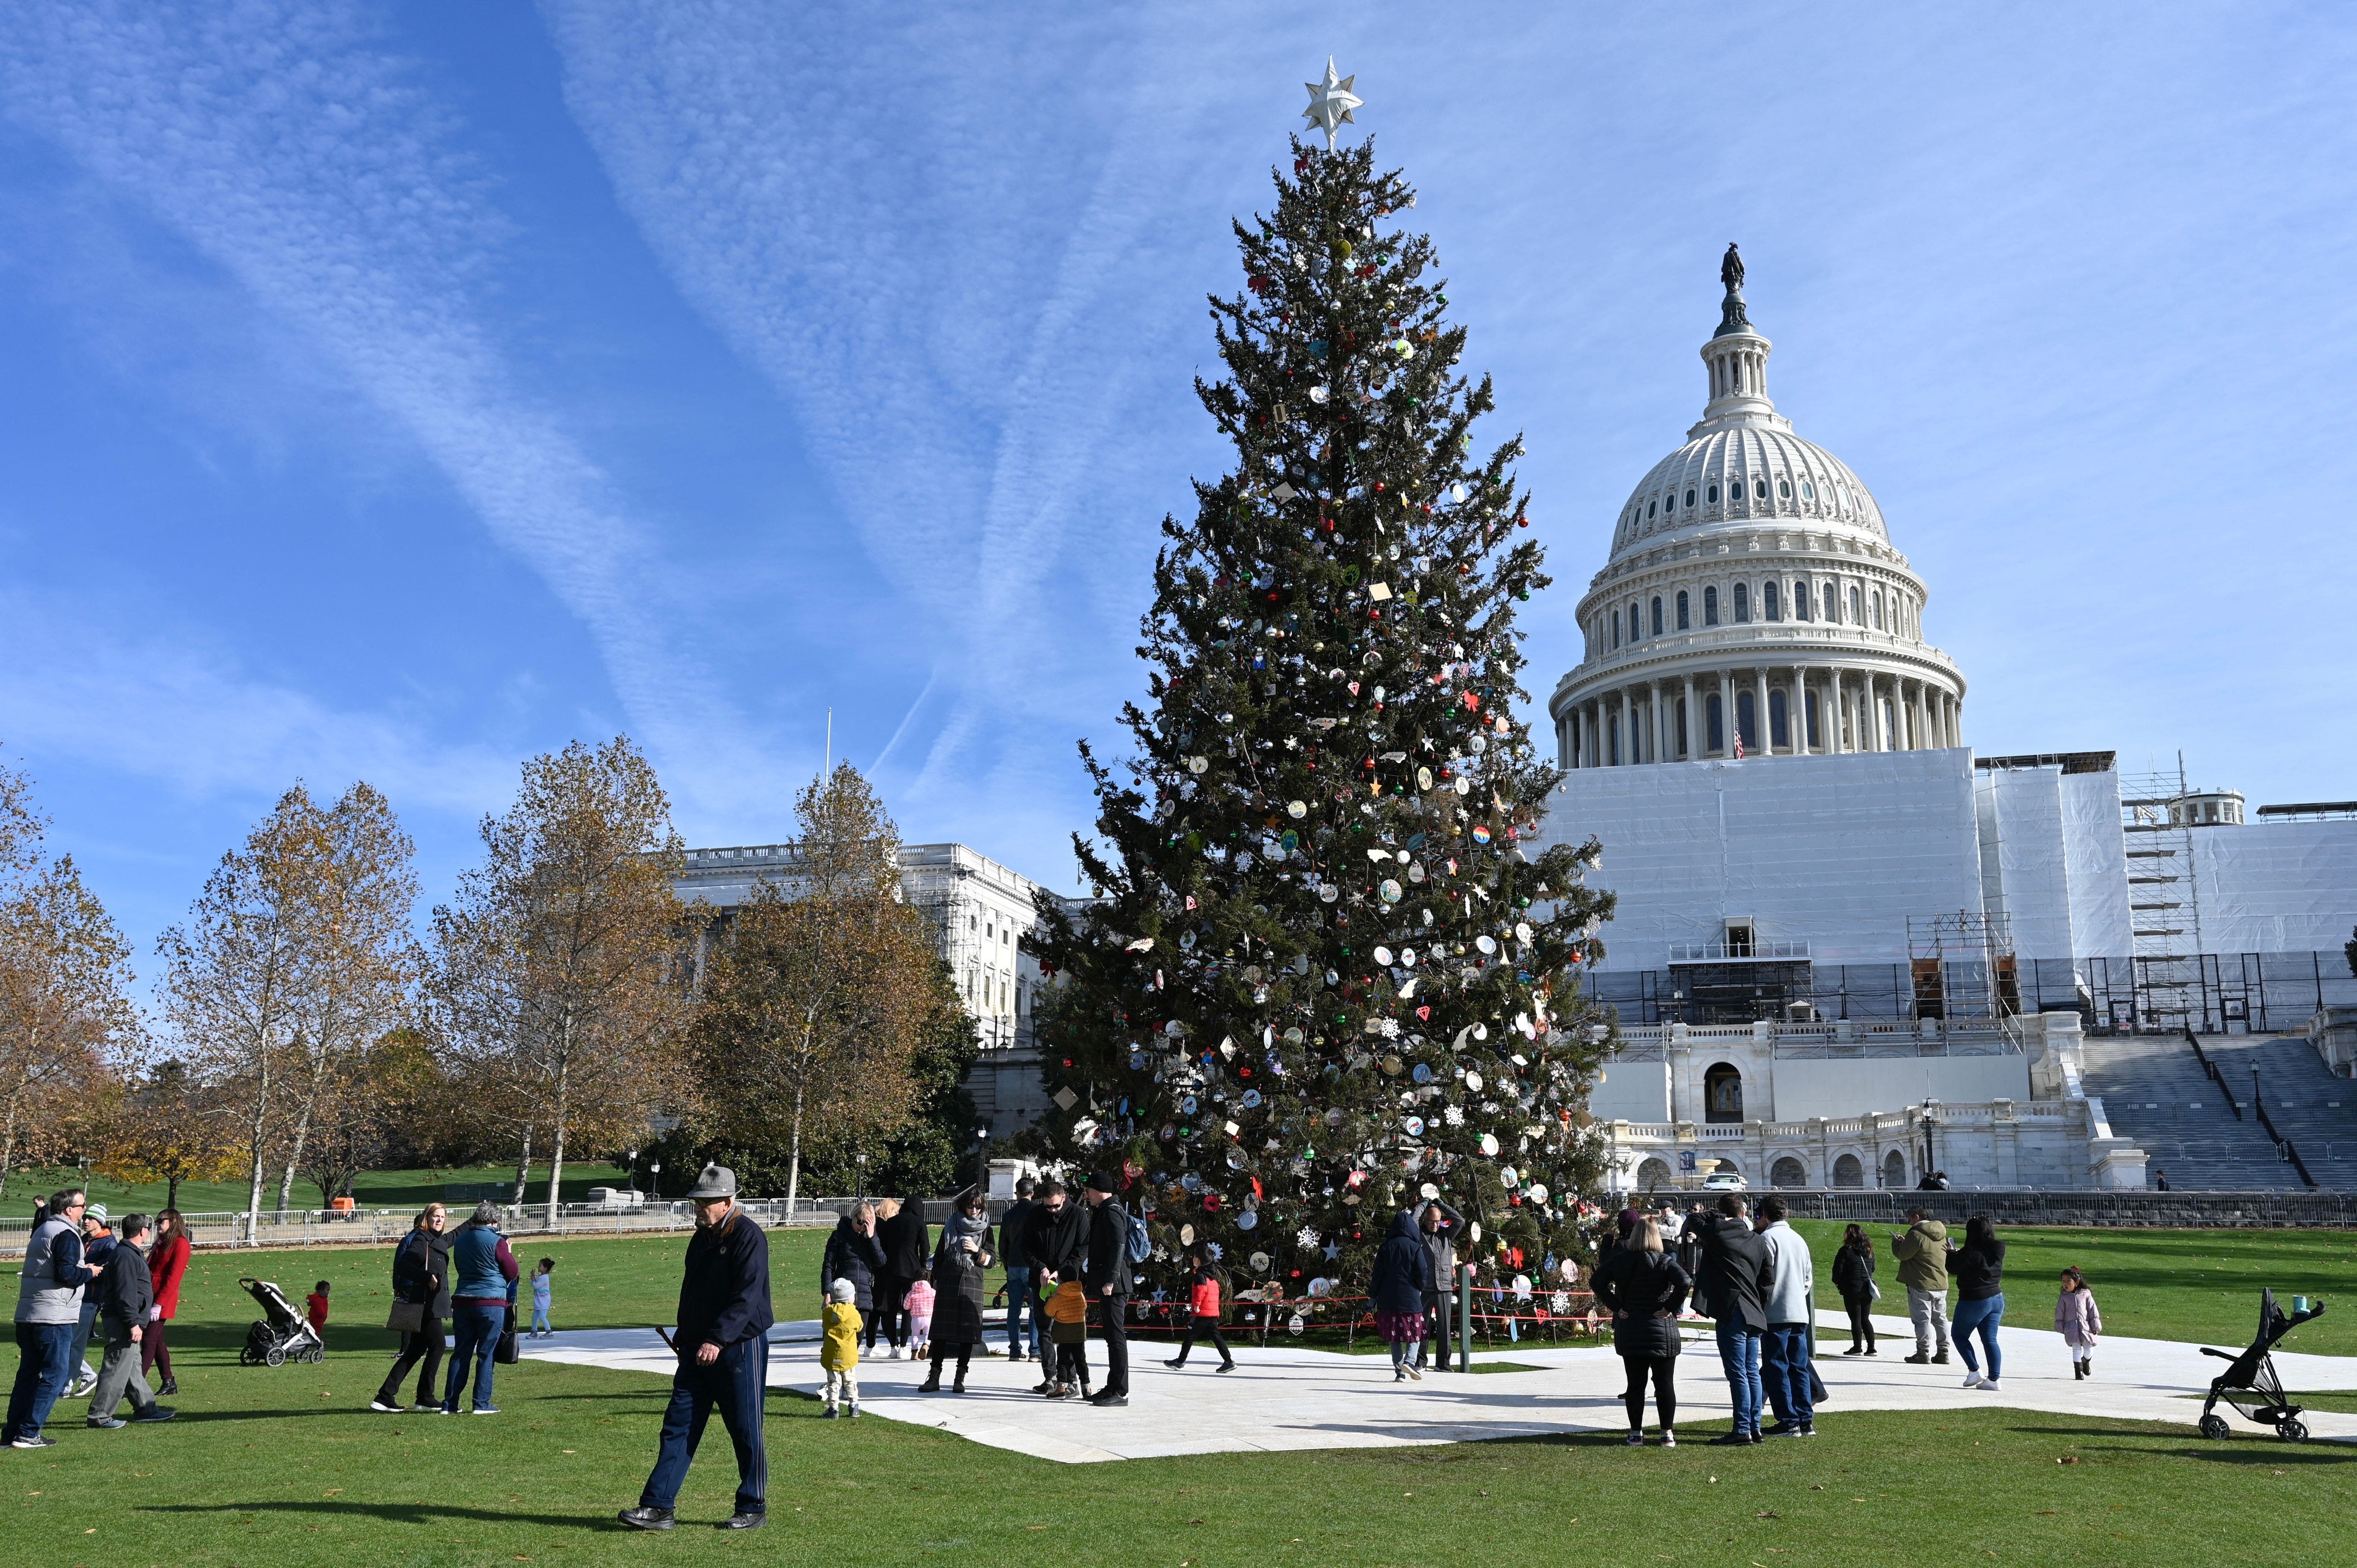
(7, 1149)
(294, 1158)
(556, 1150)
(523, 1168)
(794, 1156)
(171, 1190)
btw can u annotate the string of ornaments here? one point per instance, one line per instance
(1328, 973)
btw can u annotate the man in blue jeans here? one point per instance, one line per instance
(1785, 1350)
(1021, 1303)
(723, 1357)
(1733, 1287)
(49, 1312)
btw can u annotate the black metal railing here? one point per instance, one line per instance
(2215, 1076)
(2284, 1149)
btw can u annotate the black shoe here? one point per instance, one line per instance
(171, 1385)
(959, 1386)
(1227, 1366)
(1108, 1400)
(1921, 1359)
(1757, 1438)
(1854, 1350)
(1733, 1440)
(932, 1385)
(1177, 1362)
(1047, 1387)
(105, 1423)
(647, 1519)
(743, 1521)
(1808, 1429)
(157, 1412)
(1782, 1429)
(1941, 1359)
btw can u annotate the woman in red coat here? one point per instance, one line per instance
(167, 1259)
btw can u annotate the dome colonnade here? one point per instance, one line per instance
(1752, 599)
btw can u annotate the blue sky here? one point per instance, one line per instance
(394, 391)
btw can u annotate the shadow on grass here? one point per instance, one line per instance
(398, 1513)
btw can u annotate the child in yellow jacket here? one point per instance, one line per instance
(838, 1352)
(1068, 1330)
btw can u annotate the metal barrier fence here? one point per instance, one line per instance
(364, 1227)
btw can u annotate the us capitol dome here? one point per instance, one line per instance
(1752, 599)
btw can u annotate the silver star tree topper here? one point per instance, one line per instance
(1332, 103)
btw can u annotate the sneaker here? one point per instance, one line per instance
(1108, 1401)
(1399, 1374)
(1669, 1440)
(1872, 1351)
(1854, 1350)
(1941, 1359)
(382, 1408)
(105, 1423)
(1227, 1366)
(1732, 1440)
(647, 1519)
(1044, 1388)
(34, 1441)
(1176, 1362)
(743, 1521)
(1921, 1359)
(155, 1413)
(485, 1410)
(829, 1414)
(1971, 1379)
(851, 1415)
(1808, 1429)
(1782, 1429)
(1058, 1391)
(1636, 1439)
(1991, 1386)
(1416, 1372)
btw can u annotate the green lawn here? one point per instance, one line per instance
(287, 1467)
(392, 1189)
(2201, 1285)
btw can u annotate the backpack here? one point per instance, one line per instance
(1137, 1243)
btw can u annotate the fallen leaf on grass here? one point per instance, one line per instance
(331, 1491)
(1767, 1513)
(2068, 1459)
(1818, 1487)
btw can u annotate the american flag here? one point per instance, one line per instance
(1739, 743)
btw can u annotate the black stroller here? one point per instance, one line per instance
(283, 1334)
(2251, 1385)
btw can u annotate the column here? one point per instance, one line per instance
(1869, 717)
(1696, 728)
(1727, 713)
(1833, 712)
(1665, 745)
(1764, 743)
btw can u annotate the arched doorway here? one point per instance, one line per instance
(1653, 1175)
(1848, 1172)
(1894, 1169)
(1788, 1172)
(1722, 1094)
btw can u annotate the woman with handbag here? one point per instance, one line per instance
(420, 1300)
(1853, 1277)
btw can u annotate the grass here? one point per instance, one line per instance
(287, 1467)
(371, 1189)
(2199, 1285)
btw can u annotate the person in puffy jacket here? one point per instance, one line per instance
(959, 1298)
(1978, 1267)
(1734, 1285)
(907, 1246)
(1853, 1278)
(2078, 1321)
(853, 1253)
(1922, 1252)
(1643, 1287)
(1402, 1277)
(1203, 1308)
(839, 1349)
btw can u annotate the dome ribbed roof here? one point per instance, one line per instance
(1778, 477)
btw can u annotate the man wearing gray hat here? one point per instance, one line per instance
(724, 1356)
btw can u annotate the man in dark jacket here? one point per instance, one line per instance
(907, 1255)
(125, 1292)
(1022, 1304)
(1439, 1227)
(1053, 1238)
(724, 1356)
(1734, 1285)
(1106, 1280)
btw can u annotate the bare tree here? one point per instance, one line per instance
(815, 1002)
(357, 961)
(556, 968)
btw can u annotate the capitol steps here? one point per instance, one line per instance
(2308, 1105)
(2154, 1091)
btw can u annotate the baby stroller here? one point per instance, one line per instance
(2250, 1385)
(283, 1335)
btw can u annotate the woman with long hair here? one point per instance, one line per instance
(1642, 1285)
(1853, 1277)
(1978, 1269)
(168, 1262)
(421, 1278)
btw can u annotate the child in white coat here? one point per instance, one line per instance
(2078, 1321)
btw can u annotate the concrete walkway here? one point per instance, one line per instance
(1284, 1398)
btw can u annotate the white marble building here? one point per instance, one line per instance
(977, 908)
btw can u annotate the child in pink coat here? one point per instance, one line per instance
(921, 1319)
(2078, 1321)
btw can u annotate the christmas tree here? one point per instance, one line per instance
(1327, 973)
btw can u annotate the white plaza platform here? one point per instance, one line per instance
(1284, 1398)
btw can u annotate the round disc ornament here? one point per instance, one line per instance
(1390, 891)
(1384, 957)
(1489, 1143)
(1297, 810)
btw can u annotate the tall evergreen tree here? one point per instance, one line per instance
(1328, 973)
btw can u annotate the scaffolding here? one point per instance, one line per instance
(1963, 966)
(2164, 908)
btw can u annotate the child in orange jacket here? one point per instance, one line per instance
(1203, 1292)
(1068, 1329)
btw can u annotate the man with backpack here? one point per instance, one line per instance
(1106, 1277)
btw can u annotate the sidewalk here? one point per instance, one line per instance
(1282, 1398)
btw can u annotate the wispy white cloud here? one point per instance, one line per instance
(292, 148)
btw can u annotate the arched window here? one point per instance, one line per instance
(1788, 1172)
(1657, 615)
(1682, 727)
(1616, 629)
(1742, 601)
(1747, 723)
(1655, 1173)
(1784, 488)
(1847, 1171)
(1833, 604)
(1801, 601)
(1689, 498)
(1772, 603)
(1735, 490)
(1877, 612)
(1651, 506)
(1722, 1094)
(1714, 495)
(1894, 1169)
(1855, 618)
(1780, 733)
(1612, 735)
(1636, 622)
(1808, 491)
(1683, 622)
(1710, 606)
(1716, 724)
